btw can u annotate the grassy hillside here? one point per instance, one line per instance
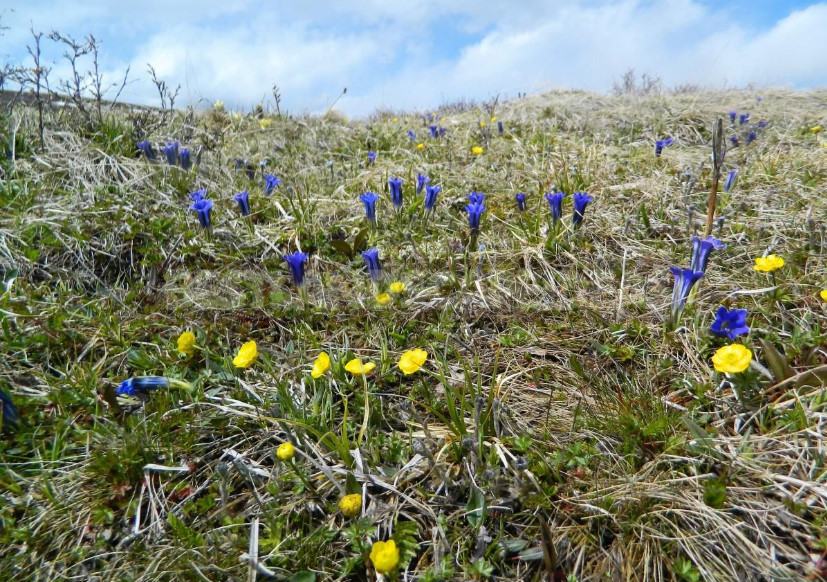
(564, 426)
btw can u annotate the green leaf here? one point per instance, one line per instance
(475, 510)
(352, 485)
(360, 242)
(342, 247)
(303, 576)
(139, 360)
(777, 363)
(815, 377)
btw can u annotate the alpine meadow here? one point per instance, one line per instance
(563, 337)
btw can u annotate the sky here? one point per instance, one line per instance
(418, 54)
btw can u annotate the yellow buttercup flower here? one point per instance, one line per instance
(420, 146)
(815, 128)
(264, 123)
(385, 556)
(247, 354)
(482, 124)
(285, 451)
(321, 365)
(383, 299)
(412, 360)
(397, 287)
(732, 359)
(356, 367)
(186, 343)
(477, 150)
(395, 119)
(351, 505)
(493, 120)
(768, 264)
(823, 294)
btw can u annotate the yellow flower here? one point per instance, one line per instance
(420, 146)
(493, 120)
(482, 124)
(236, 115)
(186, 343)
(383, 299)
(264, 123)
(395, 119)
(385, 556)
(356, 368)
(477, 150)
(351, 505)
(397, 287)
(247, 354)
(412, 360)
(219, 105)
(823, 294)
(768, 264)
(815, 129)
(732, 359)
(285, 451)
(321, 365)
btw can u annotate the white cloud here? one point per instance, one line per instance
(237, 51)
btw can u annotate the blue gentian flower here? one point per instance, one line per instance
(171, 152)
(198, 195)
(421, 180)
(732, 116)
(759, 99)
(476, 197)
(555, 204)
(239, 164)
(751, 137)
(270, 183)
(701, 249)
(395, 186)
(734, 140)
(434, 131)
(662, 143)
(730, 180)
(296, 263)
(202, 209)
(730, 323)
(8, 411)
(369, 200)
(581, 200)
(685, 279)
(743, 118)
(475, 210)
(500, 127)
(762, 124)
(147, 150)
(520, 198)
(371, 257)
(243, 199)
(431, 193)
(411, 135)
(371, 157)
(442, 131)
(186, 161)
(141, 385)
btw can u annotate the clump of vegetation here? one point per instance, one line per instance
(225, 357)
